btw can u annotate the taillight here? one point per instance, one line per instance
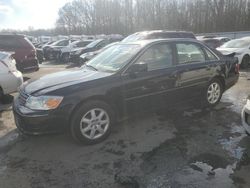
(237, 68)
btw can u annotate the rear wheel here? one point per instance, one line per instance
(213, 92)
(92, 122)
(245, 62)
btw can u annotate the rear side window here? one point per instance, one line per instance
(10, 43)
(189, 53)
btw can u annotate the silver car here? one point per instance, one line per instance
(10, 77)
(246, 116)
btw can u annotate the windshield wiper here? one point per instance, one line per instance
(92, 67)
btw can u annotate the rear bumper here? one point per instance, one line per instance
(35, 123)
(28, 65)
(13, 81)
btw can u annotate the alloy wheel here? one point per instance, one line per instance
(213, 93)
(94, 123)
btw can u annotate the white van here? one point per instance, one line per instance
(10, 78)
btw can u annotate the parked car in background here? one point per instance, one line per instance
(240, 48)
(158, 34)
(23, 51)
(245, 115)
(211, 42)
(40, 55)
(223, 40)
(65, 52)
(53, 51)
(10, 78)
(123, 79)
(89, 55)
(93, 46)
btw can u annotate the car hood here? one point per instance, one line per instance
(226, 51)
(62, 79)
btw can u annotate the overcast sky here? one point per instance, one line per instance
(20, 14)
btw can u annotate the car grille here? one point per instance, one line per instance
(22, 98)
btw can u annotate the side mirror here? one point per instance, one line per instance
(138, 67)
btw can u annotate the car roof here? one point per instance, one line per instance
(161, 31)
(12, 35)
(209, 40)
(219, 38)
(150, 41)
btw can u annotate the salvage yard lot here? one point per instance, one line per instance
(187, 147)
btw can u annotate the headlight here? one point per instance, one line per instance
(43, 102)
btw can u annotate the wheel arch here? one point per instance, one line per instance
(95, 98)
(221, 79)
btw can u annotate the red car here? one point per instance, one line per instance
(23, 51)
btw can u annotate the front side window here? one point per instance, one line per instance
(189, 53)
(158, 56)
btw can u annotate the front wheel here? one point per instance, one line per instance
(213, 93)
(92, 122)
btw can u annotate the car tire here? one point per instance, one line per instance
(213, 93)
(245, 62)
(92, 122)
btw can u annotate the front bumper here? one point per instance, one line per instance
(38, 122)
(245, 116)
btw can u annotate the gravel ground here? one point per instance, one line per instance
(188, 147)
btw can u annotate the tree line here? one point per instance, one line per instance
(128, 16)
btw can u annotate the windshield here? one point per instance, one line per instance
(239, 43)
(3, 55)
(94, 43)
(114, 58)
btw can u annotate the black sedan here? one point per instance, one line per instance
(125, 78)
(93, 46)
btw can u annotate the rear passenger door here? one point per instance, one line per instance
(193, 70)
